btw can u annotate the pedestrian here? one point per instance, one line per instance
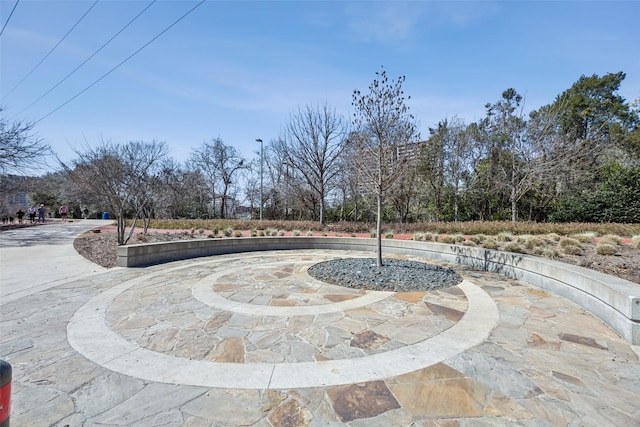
(32, 214)
(63, 211)
(19, 215)
(41, 212)
(86, 213)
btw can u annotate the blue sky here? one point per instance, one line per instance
(239, 69)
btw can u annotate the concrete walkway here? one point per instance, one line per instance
(251, 339)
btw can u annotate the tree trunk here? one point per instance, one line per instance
(514, 205)
(379, 232)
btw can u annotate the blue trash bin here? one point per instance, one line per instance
(105, 215)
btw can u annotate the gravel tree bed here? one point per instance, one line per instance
(395, 275)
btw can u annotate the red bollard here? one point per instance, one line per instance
(5, 393)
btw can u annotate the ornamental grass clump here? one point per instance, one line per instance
(237, 233)
(606, 249)
(635, 242)
(570, 246)
(513, 247)
(228, 232)
(388, 234)
(533, 242)
(610, 239)
(584, 237)
(253, 232)
(419, 237)
(478, 238)
(551, 253)
(309, 233)
(504, 236)
(296, 232)
(552, 237)
(448, 238)
(490, 244)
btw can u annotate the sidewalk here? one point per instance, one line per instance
(36, 258)
(251, 339)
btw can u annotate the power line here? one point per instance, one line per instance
(54, 48)
(121, 63)
(5, 24)
(88, 59)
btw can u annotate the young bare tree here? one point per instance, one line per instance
(315, 140)
(384, 132)
(120, 175)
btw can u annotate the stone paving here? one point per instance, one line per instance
(252, 340)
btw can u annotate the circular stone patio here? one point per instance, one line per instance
(252, 339)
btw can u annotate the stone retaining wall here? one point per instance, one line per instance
(616, 301)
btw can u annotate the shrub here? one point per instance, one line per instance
(605, 249)
(490, 244)
(635, 242)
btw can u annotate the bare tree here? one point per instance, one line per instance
(120, 175)
(384, 132)
(20, 149)
(316, 139)
(218, 162)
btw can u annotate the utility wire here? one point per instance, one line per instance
(54, 48)
(5, 24)
(121, 63)
(88, 59)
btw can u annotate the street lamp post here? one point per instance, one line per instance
(261, 173)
